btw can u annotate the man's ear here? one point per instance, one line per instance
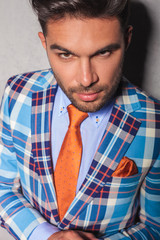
(128, 36)
(43, 39)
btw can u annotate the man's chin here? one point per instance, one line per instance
(88, 106)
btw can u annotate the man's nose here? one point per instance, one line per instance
(87, 74)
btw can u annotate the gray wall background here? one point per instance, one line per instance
(21, 51)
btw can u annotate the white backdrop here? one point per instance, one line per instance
(21, 51)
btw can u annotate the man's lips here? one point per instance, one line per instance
(88, 97)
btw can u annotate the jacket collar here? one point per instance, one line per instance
(127, 97)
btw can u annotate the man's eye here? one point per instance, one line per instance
(65, 55)
(105, 53)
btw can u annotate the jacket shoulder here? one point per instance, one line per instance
(132, 98)
(147, 101)
(32, 81)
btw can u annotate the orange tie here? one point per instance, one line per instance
(68, 162)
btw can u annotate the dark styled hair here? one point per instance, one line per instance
(58, 9)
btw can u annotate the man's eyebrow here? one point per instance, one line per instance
(58, 47)
(110, 47)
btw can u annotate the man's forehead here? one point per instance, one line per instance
(69, 21)
(84, 36)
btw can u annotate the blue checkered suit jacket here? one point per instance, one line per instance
(111, 207)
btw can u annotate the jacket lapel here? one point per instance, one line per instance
(119, 133)
(42, 105)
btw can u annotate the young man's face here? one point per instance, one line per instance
(86, 56)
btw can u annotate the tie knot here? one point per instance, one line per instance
(75, 116)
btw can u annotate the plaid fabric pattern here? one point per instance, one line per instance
(111, 207)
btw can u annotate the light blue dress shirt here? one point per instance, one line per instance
(92, 129)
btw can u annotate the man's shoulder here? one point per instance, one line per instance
(134, 98)
(145, 97)
(32, 81)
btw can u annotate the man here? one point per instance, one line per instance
(116, 186)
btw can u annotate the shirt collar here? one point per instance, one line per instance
(96, 117)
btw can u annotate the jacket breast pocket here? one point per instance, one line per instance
(115, 206)
(117, 202)
(123, 187)
(120, 194)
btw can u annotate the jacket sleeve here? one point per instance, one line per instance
(16, 214)
(148, 226)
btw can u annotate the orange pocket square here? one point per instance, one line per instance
(125, 168)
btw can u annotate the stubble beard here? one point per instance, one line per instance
(93, 106)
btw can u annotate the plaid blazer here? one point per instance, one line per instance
(111, 207)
